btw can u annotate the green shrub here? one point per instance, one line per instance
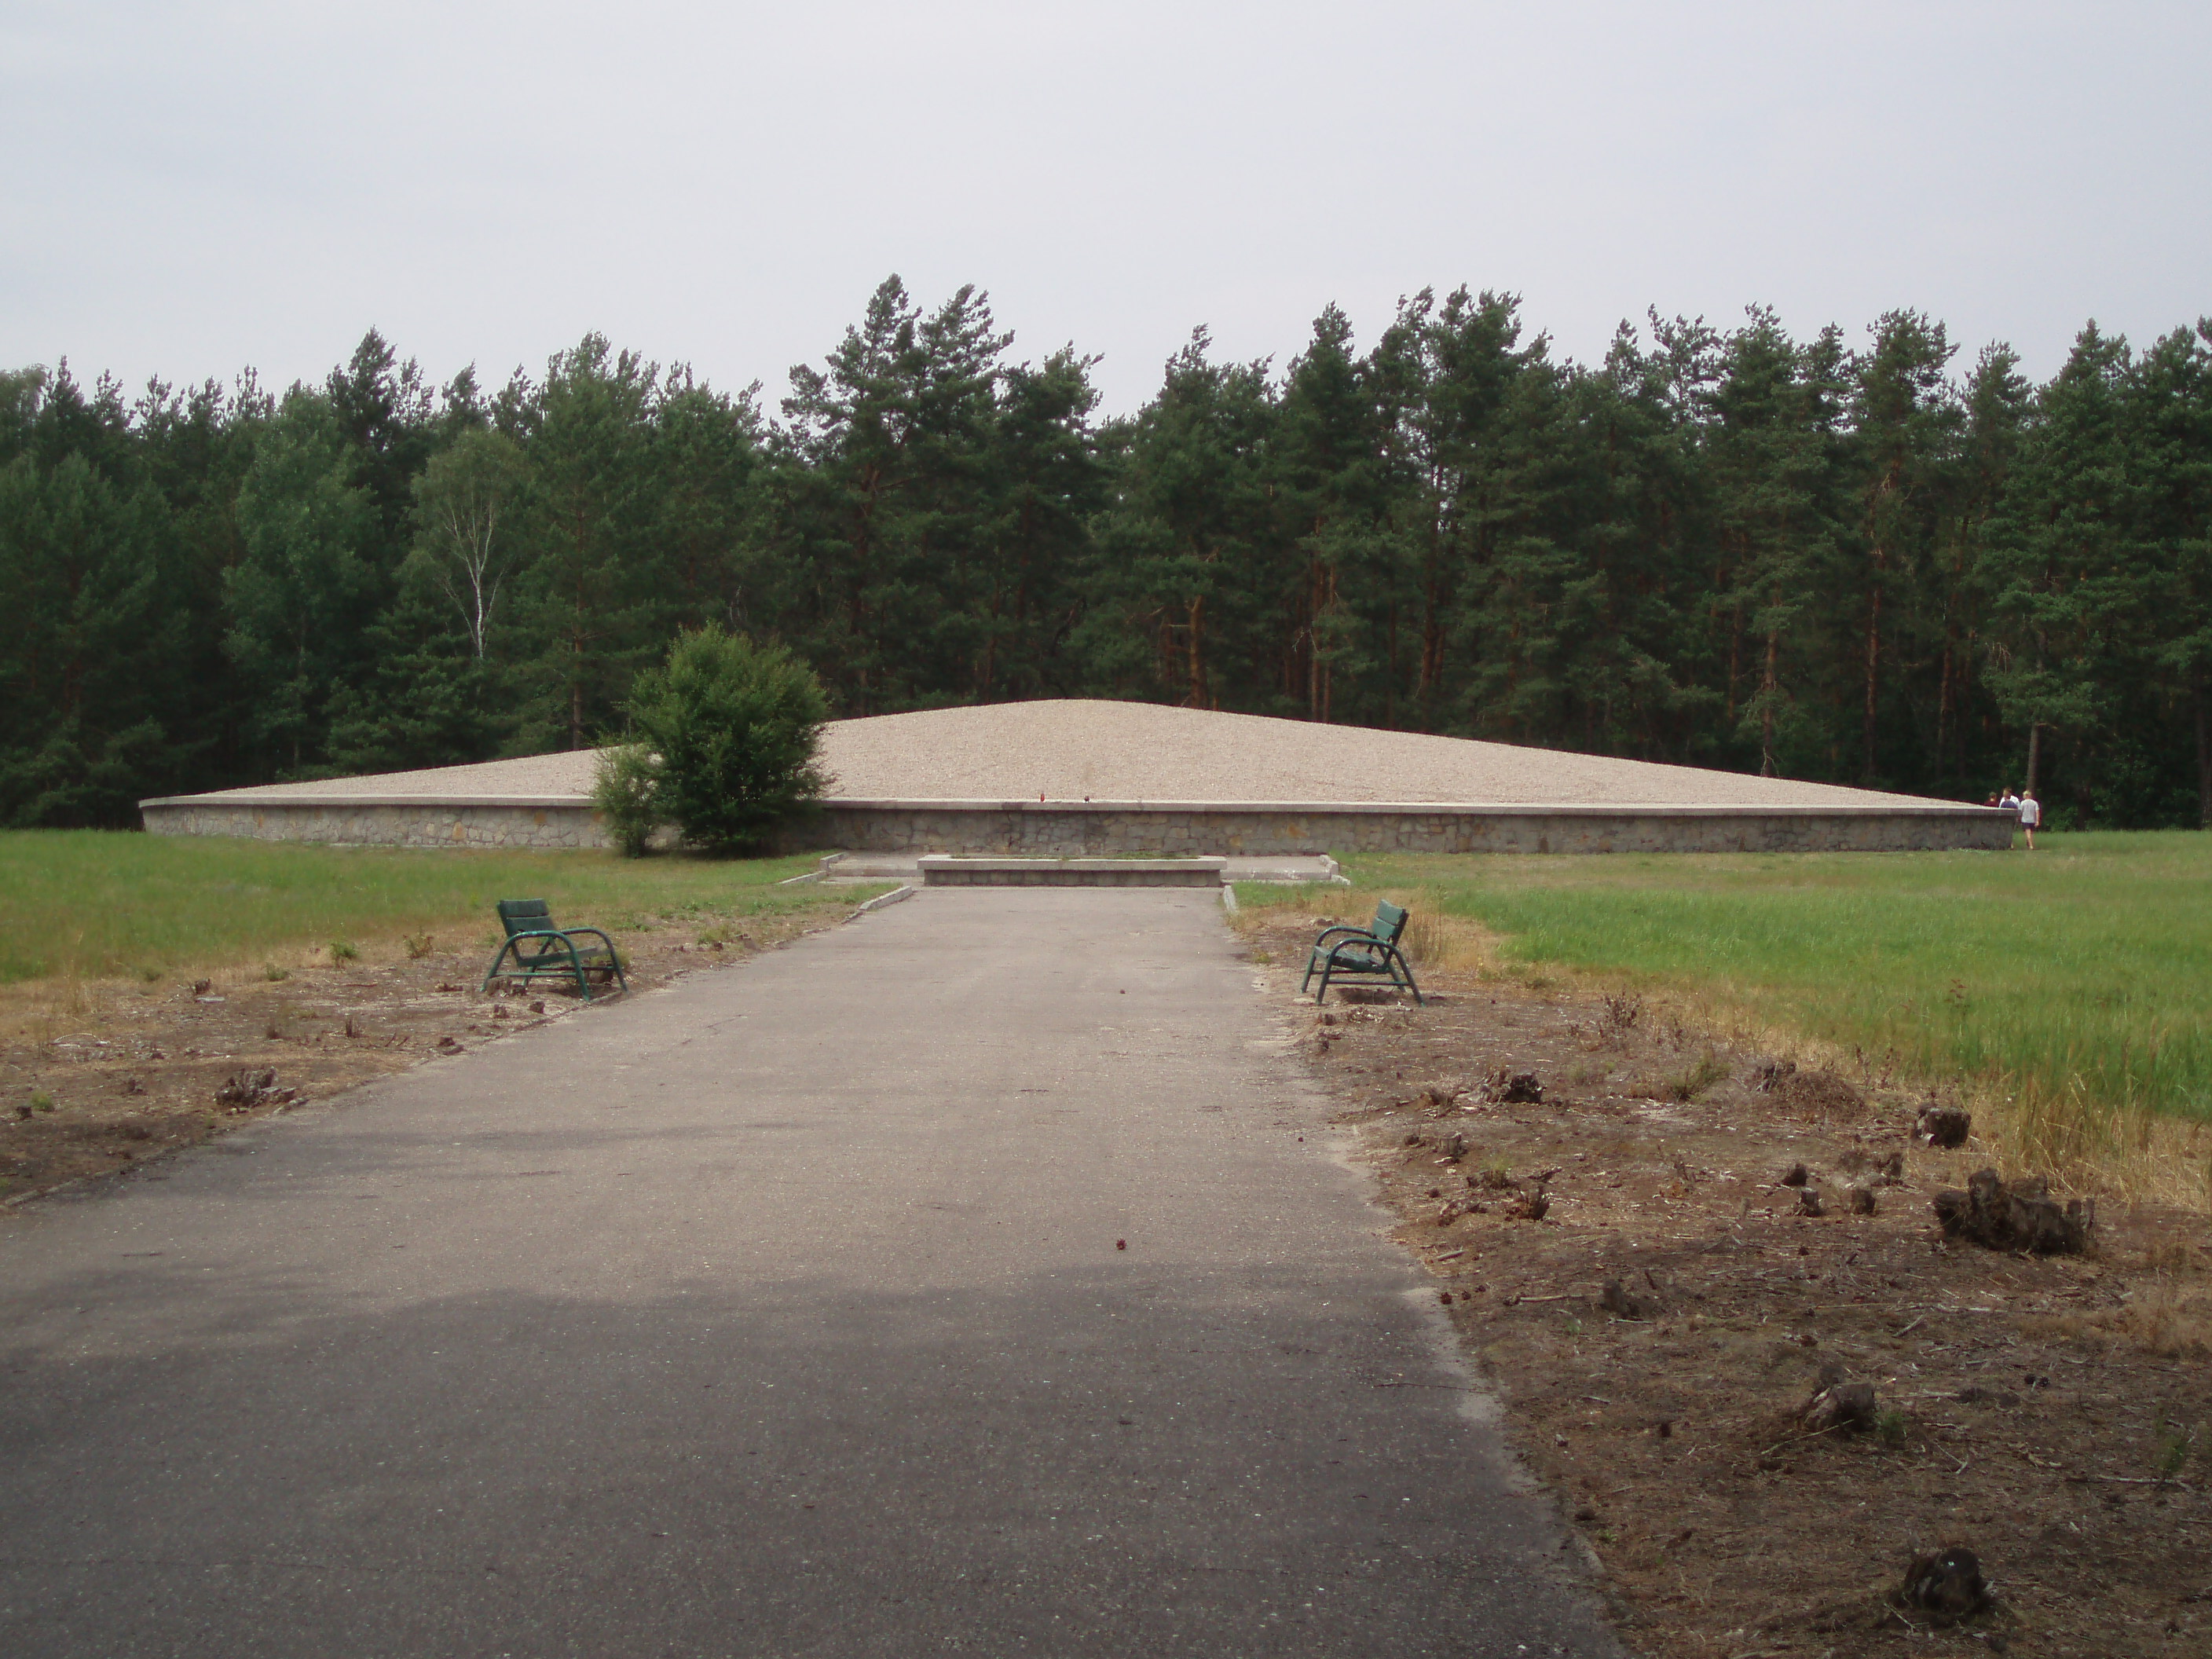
(344, 951)
(1696, 1082)
(626, 792)
(734, 726)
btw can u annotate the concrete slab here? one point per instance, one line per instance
(1288, 869)
(781, 1312)
(954, 870)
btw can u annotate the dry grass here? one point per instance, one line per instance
(2117, 1150)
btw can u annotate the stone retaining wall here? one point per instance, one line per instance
(383, 823)
(952, 870)
(1037, 828)
(1060, 829)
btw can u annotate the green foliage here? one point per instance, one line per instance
(1693, 1081)
(2175, 1444)
(734, 727)
(1853, 561)
(626, 790)
(302, 597)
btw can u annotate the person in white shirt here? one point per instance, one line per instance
(2011, 802)
(2031, 814)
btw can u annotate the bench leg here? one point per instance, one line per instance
(1399, 965)
(492, 973)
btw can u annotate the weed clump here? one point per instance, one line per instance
(1948, 1586)
(1503, 1088)
(1945, 1127)
(244, 1090)
(1619, 1017)
(2019, 1217)
(1698, 1080)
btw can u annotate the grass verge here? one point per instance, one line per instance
(94, 904)
(2064, 993)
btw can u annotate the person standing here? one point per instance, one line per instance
(2010, 802)
(2031, 814)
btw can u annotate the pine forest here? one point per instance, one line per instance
(1869, 561)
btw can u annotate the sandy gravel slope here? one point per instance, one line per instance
(1072, 750)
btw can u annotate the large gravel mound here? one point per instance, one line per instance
(1072, 750)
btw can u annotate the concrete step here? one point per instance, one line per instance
(960, 870)
(853, 868)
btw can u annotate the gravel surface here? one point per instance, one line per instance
(1070, 749)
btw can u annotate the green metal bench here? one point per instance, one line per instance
(1369, 952)
(541, 950)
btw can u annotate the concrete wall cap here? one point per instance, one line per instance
(1015, 861)
(339, 800)
(336, 802)
(1438, 809)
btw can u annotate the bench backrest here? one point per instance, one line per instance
(1390, 922)
(525, 915)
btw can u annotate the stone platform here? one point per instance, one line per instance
(949, 869)
(857, 869)
(1074, 779)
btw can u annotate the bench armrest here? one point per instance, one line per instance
(594, 932)
(561, 933)
(1357, 932)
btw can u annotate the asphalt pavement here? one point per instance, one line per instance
(786, 1310)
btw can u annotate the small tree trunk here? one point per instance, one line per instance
(1765, 697)
(1872, 668)
(2034, 751)
(2203, 755)
(1198, 651)
(1943, 714)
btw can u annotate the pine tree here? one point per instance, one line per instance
(300, 597)
(1905, 423)
(592, 590)
(2171, 441)
(2064, 563)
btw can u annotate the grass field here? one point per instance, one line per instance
(2072, 981)
(91, 904)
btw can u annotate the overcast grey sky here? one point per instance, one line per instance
(191, 188)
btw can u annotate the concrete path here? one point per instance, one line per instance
(778, 1313)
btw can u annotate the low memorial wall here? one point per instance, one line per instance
(562, 821)
(1105, 828)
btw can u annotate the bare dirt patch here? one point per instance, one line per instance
(1774, 1399)
(134, 1071)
